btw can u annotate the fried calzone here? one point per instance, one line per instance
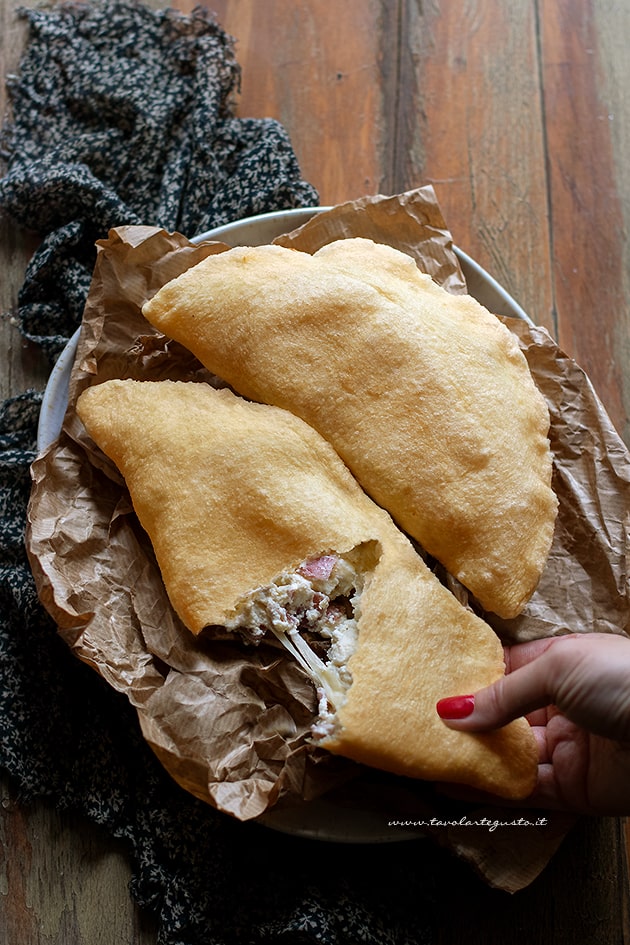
(259, 528)
(425, 395)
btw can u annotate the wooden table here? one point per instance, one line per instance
(517, 112)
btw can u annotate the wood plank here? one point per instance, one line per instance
(326, 71)
(63, 879)
(613, 28)
(587, 118)
(580, 898)
(470, 122)
(24, 365)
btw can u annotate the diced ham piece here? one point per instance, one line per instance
(318, 568)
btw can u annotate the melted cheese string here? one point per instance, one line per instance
(325, 676)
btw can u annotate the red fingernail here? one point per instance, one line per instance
(455, 707)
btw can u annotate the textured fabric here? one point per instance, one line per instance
(121, 115)
(124, 115)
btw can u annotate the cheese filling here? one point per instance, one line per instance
(317, 602)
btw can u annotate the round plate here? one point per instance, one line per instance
(340, 816)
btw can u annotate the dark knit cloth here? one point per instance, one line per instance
(123, 115)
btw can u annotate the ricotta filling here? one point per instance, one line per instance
(316, 603)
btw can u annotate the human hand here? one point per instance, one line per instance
(575, 692)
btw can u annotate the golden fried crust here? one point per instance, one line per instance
(417, 643)
(233, 493)
(230, 493)
(425, 395)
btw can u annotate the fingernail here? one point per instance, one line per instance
(455, 707)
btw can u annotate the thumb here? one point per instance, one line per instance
(527, 688)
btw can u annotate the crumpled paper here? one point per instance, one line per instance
(230, 723)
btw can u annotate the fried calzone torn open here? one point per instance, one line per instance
(260, 529)
(425, 395)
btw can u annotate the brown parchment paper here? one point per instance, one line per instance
(230, 723)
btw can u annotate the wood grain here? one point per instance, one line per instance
(581, 898)
(471, 124)
(63, 881)
(585, 103)
(23, 365)
(325, 70)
